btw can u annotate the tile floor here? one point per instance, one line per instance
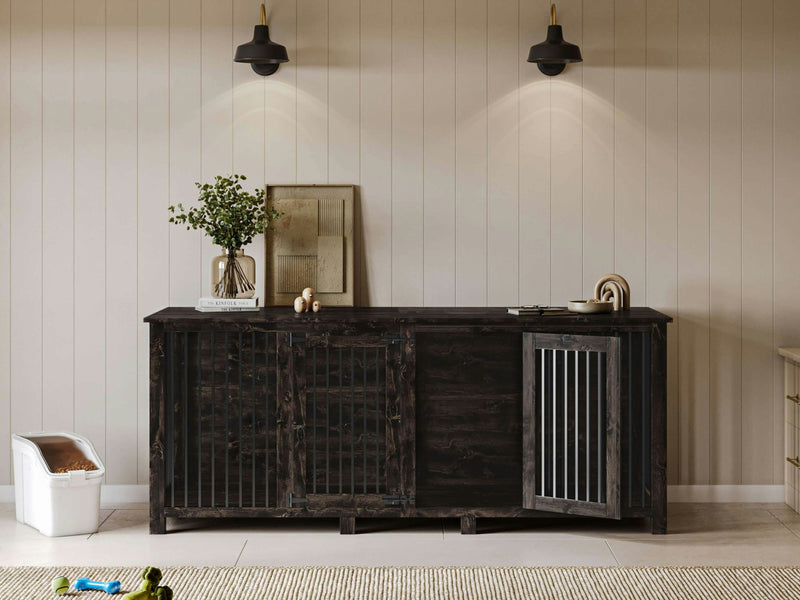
(700, 534)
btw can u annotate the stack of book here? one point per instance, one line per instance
(535, 309)
(227, 304)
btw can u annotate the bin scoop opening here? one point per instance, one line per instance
(63, 455)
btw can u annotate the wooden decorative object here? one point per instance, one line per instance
(615, 288)
(312, 245)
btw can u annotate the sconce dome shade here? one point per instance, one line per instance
(554, 53)
(263, 54)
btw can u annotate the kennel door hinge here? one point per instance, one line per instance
(397, 500)
(293, 501)
(297, 338)
(397, 339)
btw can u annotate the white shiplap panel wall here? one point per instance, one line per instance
(566, 173)
(312, 91)
(502, 225)
(471, 152)
(153, 191)
(630, 223)
(407, 159)
(248, 120)
(217, 105)
(725, 240)
(58, 291)
(122, 227)
(534, 160)
(757, 238)
(185, 106)
(5, 239)
(90, 222)
(693, 240)
(786, 202)
(25, 266)
(439, 153)
(598, 142)
(667, 155)
(280, 98)
(376, 151)
(661, 152)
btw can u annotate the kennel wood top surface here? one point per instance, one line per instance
(284, 318)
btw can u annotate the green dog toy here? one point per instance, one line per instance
(60, 585)
(149, 589)
(163, 593)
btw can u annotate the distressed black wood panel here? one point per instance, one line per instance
(469, 429)
(233, 424)
(221, 419)
(346, 419)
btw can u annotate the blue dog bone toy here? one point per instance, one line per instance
(109, 587)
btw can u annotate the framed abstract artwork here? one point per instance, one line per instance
(311, 245)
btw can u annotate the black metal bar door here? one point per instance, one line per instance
(349, 432)
(571, 424)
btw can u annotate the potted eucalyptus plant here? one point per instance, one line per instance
(231, 217)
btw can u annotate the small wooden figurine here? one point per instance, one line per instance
(308, 296)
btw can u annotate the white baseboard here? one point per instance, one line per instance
(725, 493)
(122, 494)
(127, 494)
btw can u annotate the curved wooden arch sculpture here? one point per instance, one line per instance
(610, 287)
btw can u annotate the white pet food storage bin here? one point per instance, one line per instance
(56, 503)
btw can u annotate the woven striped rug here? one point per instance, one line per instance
(436, 583)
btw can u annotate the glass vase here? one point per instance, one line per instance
(233, 275)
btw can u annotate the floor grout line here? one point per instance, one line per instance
(236, 564)
(610, 549)
(113, 510)
(789, 529)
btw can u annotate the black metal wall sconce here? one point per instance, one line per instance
(264, 55)
(553, 54)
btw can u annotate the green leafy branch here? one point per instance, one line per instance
(228, 214)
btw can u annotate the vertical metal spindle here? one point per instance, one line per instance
(377, 420)
(327, 420)
(171, 416)
(185, 408)
(253, 417)
(341, 422)
(364, 415)
(352, 420)
(542, 379)
(645, 404)
(213, 417)
(587, 444)
(199, 419)
(600, 419)
(314, 419)
(227, 421)
(577, 423)
(565, 460)
(629, 422)
(266, 420)
(240, 440)
(553, 396)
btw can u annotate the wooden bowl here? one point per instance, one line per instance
(590, 308)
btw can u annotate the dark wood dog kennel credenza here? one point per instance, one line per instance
(407, 412)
